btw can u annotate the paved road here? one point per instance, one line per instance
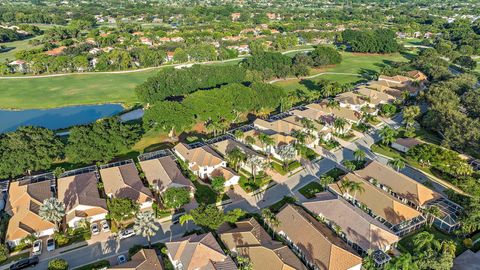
(112, 247)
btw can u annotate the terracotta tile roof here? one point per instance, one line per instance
(164, 172)
(81, 190)
(375, 97)
(358, 226)
(199, 252)
(408, 142)
(401, 184)
(249, 239)
(395, 79)
(350, 98)
(337, 112)
(297, 121)
(56, 51)
(123, 182)
(202, 156)
(317, 242)
(384, 88)
(381, 203)
(417, 75)
(226, 146)
(279, 126)
(227, 173)
(23, 203)
(278, 139)
(145, 259)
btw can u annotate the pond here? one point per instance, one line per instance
(56, 118)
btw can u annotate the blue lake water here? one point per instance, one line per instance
(56, 118)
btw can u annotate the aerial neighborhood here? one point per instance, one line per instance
(265, 135)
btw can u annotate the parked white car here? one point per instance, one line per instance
(94, 228)
(37, 247)
(126, 233)
(104, 225)
(50, 244)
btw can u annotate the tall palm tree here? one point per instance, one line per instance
(253, 161)
(145, 225)
(339, 124)
(359, 155)
(52, 210)
(326, 180)
(274, 223)
(266, 215)
(235, 157)
(184, 219)
(334, 104)
(265, 140)
(425, 240)
(432, 212)
(238, 134)
(356, 187)
(387, 134)
(287, 152)
(249, 140)
(397, 163)
(244, 263)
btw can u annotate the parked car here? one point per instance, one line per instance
(50, 244)
(22, 264)
(105, 226)
(121, 259)
(126, 233)
(37, 247)
(94, 228)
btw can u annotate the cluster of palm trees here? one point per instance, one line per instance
(270, 219)
(352, 187)
(53, 210)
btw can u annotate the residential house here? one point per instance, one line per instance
(248, 239)
(18, 66)
(384, 88)
(404, 144)
(399, 217)
(146, 41)
(279, 140)
(319, 131)
(145, 259)
(400, 185)
(56, 51)
(320, 118)
(169, 57)
(363, 231)
(374, 98)
(199, 252)
(202, 161)
(317, 244)
(352, 101)
(163, 173)
(235, 16)
(94, 51)
(226, 146)
(82, 200)
(330, 113)
(122, 181)
(23, 205)
(231, 177)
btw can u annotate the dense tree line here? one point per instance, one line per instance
(371, 41)
(178, 82)
(30, 149)
(219, 107)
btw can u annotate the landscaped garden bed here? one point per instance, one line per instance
(309, 190)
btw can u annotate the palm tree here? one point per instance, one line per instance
(265, 140)
(431, 212)
(253, 161)
(52, 210)
(339, 124)
(359, 155)
(337, 229)
(184, 219)
(235, 157)
(345, 185)
(249, 140)
(145, 225)
(308, 124)
(266, 215)
(388, 135)
(449, 246)
(425, 240)
(274, 223)
(334, 104)
(244, 263)
(326, 180)
(397, 163)
(238, 134)
(356, 187)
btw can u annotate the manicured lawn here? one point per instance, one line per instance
(249, 185)
(406, 244)
(14, 47)
(291, 166)
(204, 194)
(361, 64)
(309, 190)
(329, 145)
(71, 90)
(335, 173)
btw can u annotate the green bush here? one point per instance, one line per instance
(61, 239)
(468, 242)
(57, 264)
(3, 253)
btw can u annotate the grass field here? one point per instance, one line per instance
(14, 47)
(71, 90)
(352, 63)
